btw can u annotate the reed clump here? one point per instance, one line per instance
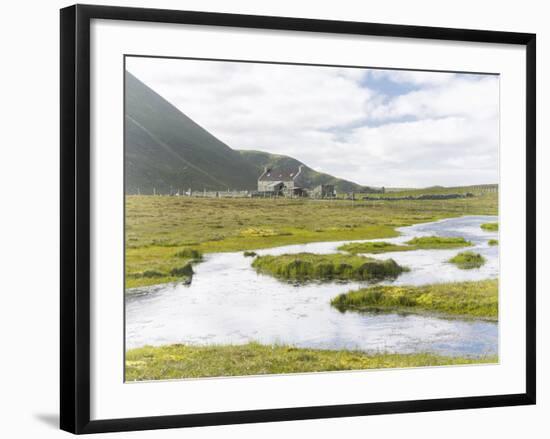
(311, 266)
(468, 260)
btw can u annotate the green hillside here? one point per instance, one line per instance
(309, 177)
(166, 150)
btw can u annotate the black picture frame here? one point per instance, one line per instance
(75, 217)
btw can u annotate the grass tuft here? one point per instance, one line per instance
(373, 247)
(250, 254)
(147, 274)
(468, 260)
(310, 266)
(493, 241)
(190, 253)
(424, 243)
(490, 227)
(434, 242)
(184, 270)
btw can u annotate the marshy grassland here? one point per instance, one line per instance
(184, 361)
(160, 227)
(467, 260)
(421, 243)
(493, 241)
(152, 268)
(434, 190)
(166, 236)
(338, 266)
(490, 227)
(469, 299)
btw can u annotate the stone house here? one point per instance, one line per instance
(281, 181)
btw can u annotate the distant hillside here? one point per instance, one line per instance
(165, 150)
(309, 177)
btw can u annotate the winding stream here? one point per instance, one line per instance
(229, 303)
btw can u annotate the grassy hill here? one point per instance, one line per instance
(167, 150)
(309, 177)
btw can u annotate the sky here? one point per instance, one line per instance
(392, 128)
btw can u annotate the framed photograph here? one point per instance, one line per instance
(268, 219)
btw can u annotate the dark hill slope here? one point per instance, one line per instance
(165, 148)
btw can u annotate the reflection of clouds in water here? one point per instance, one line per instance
(228, 302)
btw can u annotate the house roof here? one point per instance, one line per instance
(279, 174)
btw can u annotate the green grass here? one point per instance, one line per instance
(183, 361)
(468, 260)
(143, 269)
(190, 253)
(374, 247)
(427, 242)
(471, 299)
(493, 241)
(490, 227)
(311, 266)
(434, 190)
(158, 227)
(181, 273)
(435, 242)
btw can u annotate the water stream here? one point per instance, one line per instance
(229, 303)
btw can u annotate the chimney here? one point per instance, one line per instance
(266, 170)
(299, 171)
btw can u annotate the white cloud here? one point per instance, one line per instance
(443, 129)
(476, 99)
(414, 77)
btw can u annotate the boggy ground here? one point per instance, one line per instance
(160, 227)
(166, 234)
